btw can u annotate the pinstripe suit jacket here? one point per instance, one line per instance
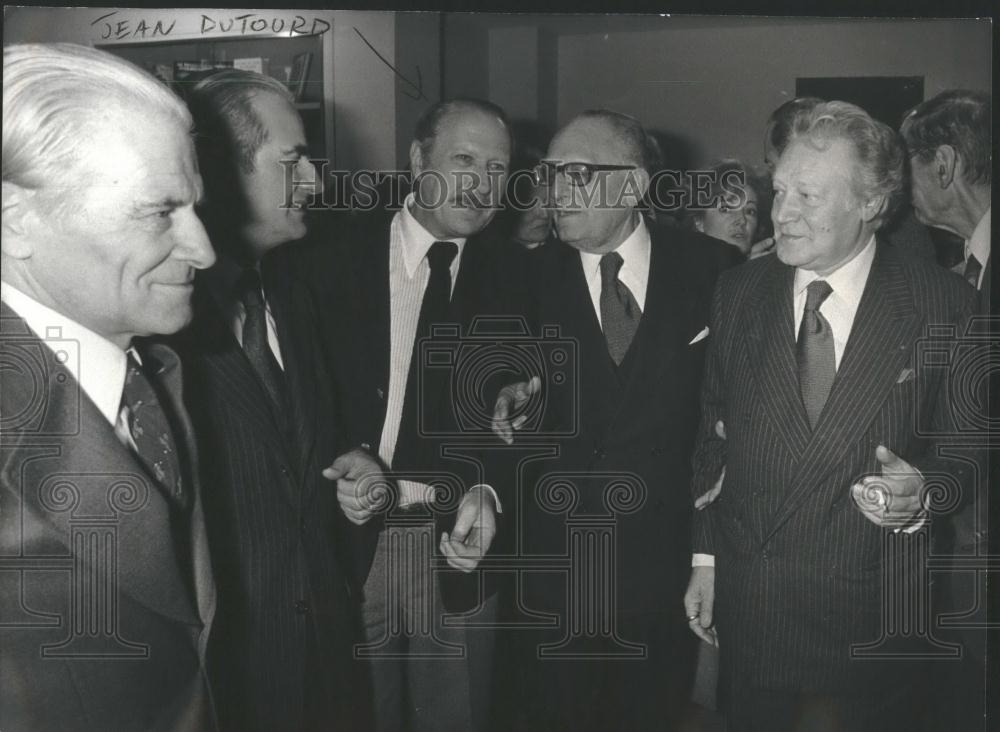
(273, 521)
(799, 570)
(101, 626)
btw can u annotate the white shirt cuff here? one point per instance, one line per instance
(496, 498)
(702, 560)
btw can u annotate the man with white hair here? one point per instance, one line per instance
(833, 425)
(107, 593)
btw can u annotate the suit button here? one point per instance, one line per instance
(765, 556)
(301, 607)
(284, 470)
(599, 452)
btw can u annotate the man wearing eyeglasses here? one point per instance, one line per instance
(636, 301)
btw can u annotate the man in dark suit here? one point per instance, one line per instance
(259, 394)
(948, 139)
(832, 444)
(634, 299)
(400, 277)
(949, 143)
(107, 596)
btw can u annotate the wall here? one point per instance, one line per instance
(360, 91)
(713, 88)
(418, 85)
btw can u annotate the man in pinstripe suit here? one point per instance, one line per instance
(833, 428)
(259, 393)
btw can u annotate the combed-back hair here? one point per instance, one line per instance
(958, 118)
(55, 95)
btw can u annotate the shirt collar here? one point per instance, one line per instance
(634, 252)
(979, 243)
(417, 240)
(96, 363)
(848, 280)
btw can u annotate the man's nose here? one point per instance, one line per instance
(193, 244)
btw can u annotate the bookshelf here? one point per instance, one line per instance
(185, 61)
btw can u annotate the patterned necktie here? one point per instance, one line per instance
(150, 431)
(814, 352)
(620, 312)
(973, 268)
(433, 309)
(255, 343)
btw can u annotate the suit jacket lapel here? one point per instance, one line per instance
(293, 313)
(108, 481)
(885, 327)
(771, 341)
(659, 329)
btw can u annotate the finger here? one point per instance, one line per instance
(888, 458)
(464, 558)
(355, 516)
(720, 429)
(534, 385)
(701, 632)
(519, 422)
(335, 471)
(502, 407)
(468, 513)
(703, 500)
(455, 559)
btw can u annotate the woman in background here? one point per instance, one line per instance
(738, 203)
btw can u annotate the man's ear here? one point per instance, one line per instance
(416, 158)
(945, 161)
(19, 217)
(699, 224)
(873, 207)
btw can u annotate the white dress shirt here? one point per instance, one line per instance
(409, 273)
(839, 308)
(223, 280)
(979, 245)
(634, 272)
(841, 305)
(96, 363)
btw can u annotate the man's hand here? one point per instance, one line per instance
(362, 490)
(512, 399)
(712, 493)
(764, 246)
(475, 527)
(892, 499)
(699, 601)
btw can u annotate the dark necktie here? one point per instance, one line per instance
(433, 309)
(255, 344)
(814, 352)
(973, 268)
(150, 430)
(620, 312)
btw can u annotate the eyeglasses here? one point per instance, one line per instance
(578, 174)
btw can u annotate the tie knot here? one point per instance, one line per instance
(816, 293)
(972, 270)
(610, 265)
(250, 288)
(441, 254)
